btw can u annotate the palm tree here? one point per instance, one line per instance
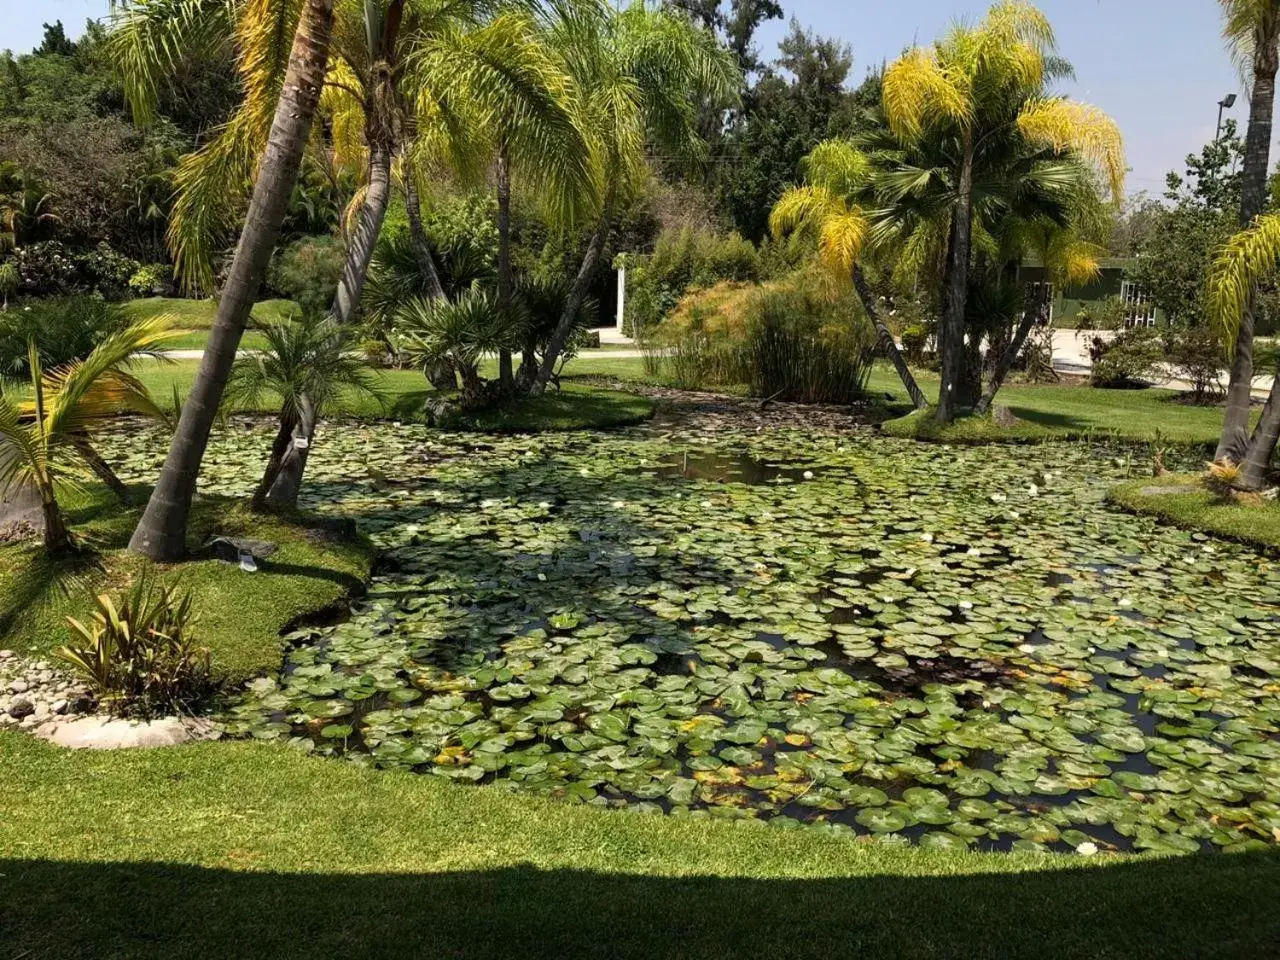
(1252, 29)
(42, 434)
(963, 100)
(307, 364)
(282, 101)
(838, 176)
(643, 75)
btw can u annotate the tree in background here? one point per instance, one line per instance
(977, 105)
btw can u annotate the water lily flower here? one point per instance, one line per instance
(808, 474)
(1033, 491)
(1087, 849)
(1026, 648)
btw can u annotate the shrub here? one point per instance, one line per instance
(52, 269)
(1111, 314)
(799, 339)
(1133, 355)
(63, 328)
(1196, 355)
(308, 271)
(683, 260)
(915, 341)
(152, 280)
(140, 657)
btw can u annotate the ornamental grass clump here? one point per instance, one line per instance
(140, 655)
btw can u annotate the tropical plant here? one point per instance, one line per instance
(642, 74)
(307, 363)
(280, 99)
(1252, 31)
(139, 654)
(63, 329)
(828, 208)
(8, 283)
(460, 331)
(975, 107)
(45, 431)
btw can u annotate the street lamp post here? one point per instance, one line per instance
(1226, 103)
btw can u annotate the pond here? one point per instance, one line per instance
(948, 646)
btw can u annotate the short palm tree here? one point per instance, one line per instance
(46, 426)
(280, 101)
(828, 207)
(1252, 31)
(643, 73)
(963, 103)
(307, 363)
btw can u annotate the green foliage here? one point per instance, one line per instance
(683, 260)
(307, 271)
(915, 341)
(63, 329)
(151, 280)
(51, 268)
(797, 339)
(1195, 355)
(462, 330)
(139, 654)
(1133, 355)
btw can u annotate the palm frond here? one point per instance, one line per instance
(1067, 125)
(1245, 259)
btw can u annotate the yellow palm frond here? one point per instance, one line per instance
(341, 104)
(919, 89)
(837, 165)
(804, 209)
(1077, 263)
(1065, 125)
(841, 239)
(1246, 258)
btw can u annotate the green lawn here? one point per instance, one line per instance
(574, 406)
(196, 340)
(1252, 522)
(244, 849)
(197, 314)
(241, 614)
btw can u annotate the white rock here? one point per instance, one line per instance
(60, 706)
(104, 733)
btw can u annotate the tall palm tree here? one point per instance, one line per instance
(282, 102)
(643, 75)
(964, 97)
(44, 432)
(838, 178)
(1252, 29)
(307, 363)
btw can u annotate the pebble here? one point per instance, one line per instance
(20, 708)
(34, 693)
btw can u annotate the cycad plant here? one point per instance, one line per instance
(462, 331)
(975, 105)
(307, 364)
(46, 427)
(1252, 31)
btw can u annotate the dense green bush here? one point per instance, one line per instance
(307, 271)
(1132, 356)
(683, 260)
(800, 339)
(152, 280)
(1196, 355)
(53, 269)
(64, 329)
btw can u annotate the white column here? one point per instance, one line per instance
(622, 297)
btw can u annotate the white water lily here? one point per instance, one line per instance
(927, 537)
(618, 504)
(966, 605)
(1026, 648)
(973, 552)
(808, 474)
(1087, 849)
(998, 498)
(1126, 602)
(544, 505)
(1033, 491)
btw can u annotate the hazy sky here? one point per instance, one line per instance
(1157, 66)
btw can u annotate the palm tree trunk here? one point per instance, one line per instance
(57, 538)
(418, 237)
(1253, 198)
(284, 491)
(360, 250)
(1257, 459)
(887, 343)
(284, 436)
(578, 293)
(162, 532)
(101, 469)
(506, 280)
(1005, 364)
(951, 334)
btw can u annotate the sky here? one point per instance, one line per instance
(1158, 66)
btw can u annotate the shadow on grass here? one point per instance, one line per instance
(1211, 906)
